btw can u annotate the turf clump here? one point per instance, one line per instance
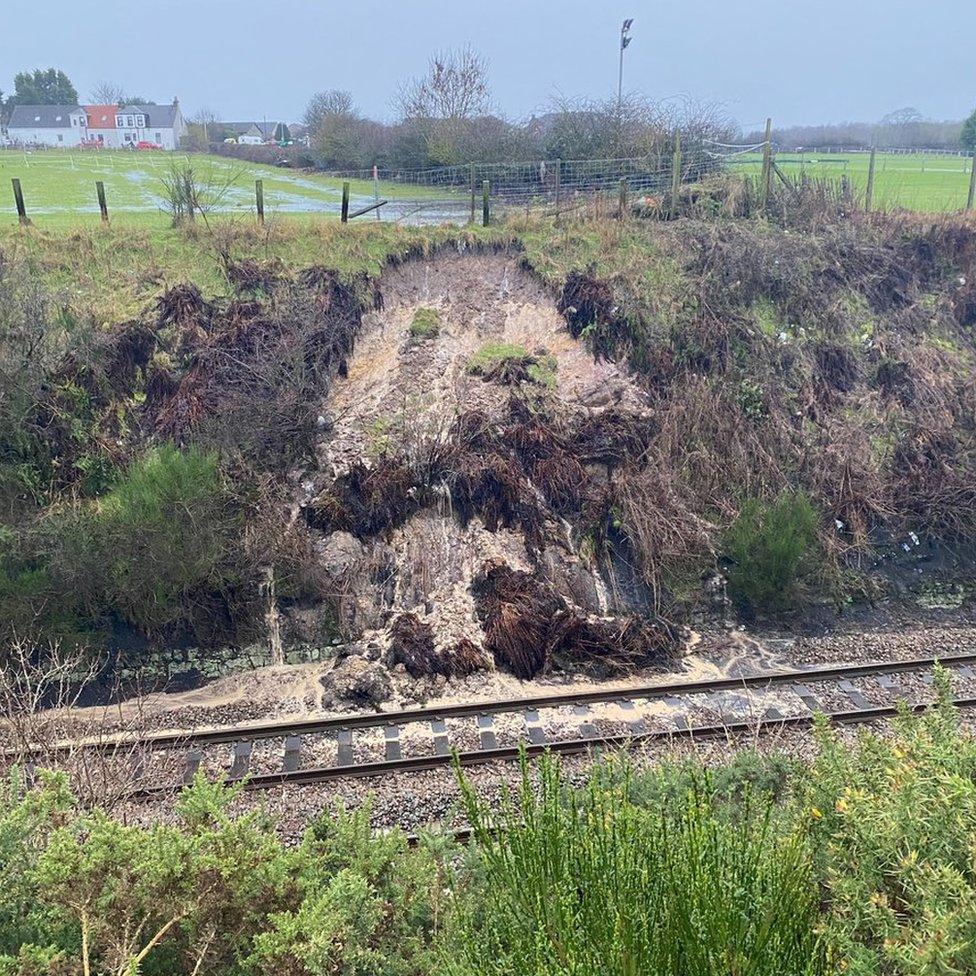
(425, 324)
(511, 364)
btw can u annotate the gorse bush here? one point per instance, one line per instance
(161, 550)
(771, 548)
(893, 823)
(213, 892)
(594, 884)
(166, 529)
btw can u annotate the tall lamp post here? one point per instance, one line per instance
(625, 39)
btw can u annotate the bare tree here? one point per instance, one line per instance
(454, 87)
(330, 104)
(42, 725)
(108, 93)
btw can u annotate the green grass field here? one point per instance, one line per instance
(59, 187)
(926, 182)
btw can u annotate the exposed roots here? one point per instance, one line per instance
(412, 645)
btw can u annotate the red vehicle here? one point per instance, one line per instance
(148, 145)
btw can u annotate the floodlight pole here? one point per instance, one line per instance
(624, 41)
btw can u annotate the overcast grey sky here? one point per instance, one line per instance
(813, 61)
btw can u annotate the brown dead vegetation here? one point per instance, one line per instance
(412, 645)
(258, 372)
(529, 628)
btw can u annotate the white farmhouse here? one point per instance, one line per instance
(47, 125)
(162, 125)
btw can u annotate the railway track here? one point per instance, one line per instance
(422, 738)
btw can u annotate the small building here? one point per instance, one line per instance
(101, 126)
(62, 126)
(253, 133)
(161, 125)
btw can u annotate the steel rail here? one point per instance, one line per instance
(271, 730)
(324, 774)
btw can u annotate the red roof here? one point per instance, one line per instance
(101, 116)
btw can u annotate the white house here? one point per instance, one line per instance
(108, 126)
(253, 133)
(47, 125)
(162, 125)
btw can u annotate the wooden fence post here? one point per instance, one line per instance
(19, 200)
(473, 192)
(623, 197)
(102, 204)
(869, 192)
(767, 169)
(259, 199)
(675, 173)
(376, 189)
(485, 213)
(559, 184)
(345, 202)
(971, 199)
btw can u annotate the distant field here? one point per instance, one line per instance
(924, 181)
(59, 187)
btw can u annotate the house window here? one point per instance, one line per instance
(118, 122)
(60, 137)
(159, 137)
(140, 121)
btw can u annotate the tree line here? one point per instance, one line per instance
(904, 129)
(51, 86)
(446, 117)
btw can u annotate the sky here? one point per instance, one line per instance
(798, 62)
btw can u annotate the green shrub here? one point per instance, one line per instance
(161, 550)
(368, 905)
(771, 547)
(590, 883)
(893, 822)
(168, 531)
(425, 324)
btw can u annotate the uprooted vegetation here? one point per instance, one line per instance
(735, 364)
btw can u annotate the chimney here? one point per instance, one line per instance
(176, 101)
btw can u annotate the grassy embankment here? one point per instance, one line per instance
(811, 391)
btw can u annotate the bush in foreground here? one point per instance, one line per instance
(861, 862)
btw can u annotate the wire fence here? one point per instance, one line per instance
(547, 184)
(59, 185)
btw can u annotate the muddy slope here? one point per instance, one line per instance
(452, 549)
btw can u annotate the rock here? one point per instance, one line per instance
(341, 553)
(355, 680)
(315, 625)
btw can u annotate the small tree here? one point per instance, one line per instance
(338, 133)
(108, 93)
(968, 135)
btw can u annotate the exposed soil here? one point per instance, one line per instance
(441, 471)
(398, 386)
